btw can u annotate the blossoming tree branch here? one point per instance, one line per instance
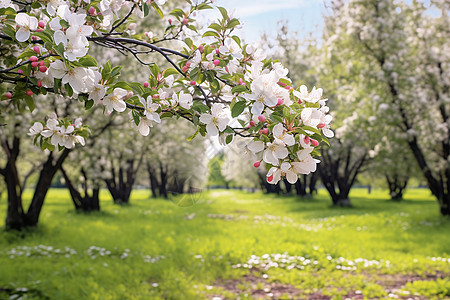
(224, 87)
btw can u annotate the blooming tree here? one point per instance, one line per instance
(224, 87)
(404, 53)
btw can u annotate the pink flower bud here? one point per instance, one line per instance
(281, 84)
(34, 64)
(185, 69)
(170, 21)
(33, 58)
(280, 101)
(321, 125)
(185, 21)
(8, 95)
(155, 96)
(30, 93)
(188, 64)
(42, 63)
(92, 11)
(261, 118)
(201, 48)
(265, 131)
(193, 82)
(39, 30)
(287, 87)
(307, 139)
(314, 143)
(36, 49)
(41, 24)
(43, 69)
(216, 62)
(39, 83)
(270, 178)
(20, 71)
(217, 51)
(241, 81)
(252, 123)
(34, 38)
(146, 84)
(257, 164)
(146, 34)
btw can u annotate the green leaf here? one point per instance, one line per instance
(88, 104)
(211, 33)
(189, 42)
(170, 71)
(224, 12)
(228, 139)
(56, 85)
(116, 71)
(233, 23)
(237, 40)
(146, 9)
(190, 138)
(123, 85)
(59, 49)
(238, 108)
(158, 10)
(106, 71)
(203, 6)
(68, 89)
(216, 27)
(154, 69)
(239, 89)
(137, 88)
(309, 128)
(277, 118)
(35, 5)
(200, 107)
(215, 86)
(88, 61)
(177, 13)
(30, 102)
(44, 35)
(9, 30)
(136, 117)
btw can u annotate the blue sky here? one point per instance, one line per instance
(261, 16)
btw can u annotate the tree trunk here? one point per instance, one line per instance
(43, 185)
(313, 178)
(396, 185)
(300, 188)
(84, 203)
(163, 181)
(287, 186)
(339, 173)
(153, 180)
(16, 217)
(120, 186)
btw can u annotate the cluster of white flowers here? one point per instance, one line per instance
(59, 134)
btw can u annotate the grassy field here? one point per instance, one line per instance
(231, 245)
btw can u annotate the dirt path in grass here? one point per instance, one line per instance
(260, 288)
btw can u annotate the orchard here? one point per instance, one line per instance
(213, 80)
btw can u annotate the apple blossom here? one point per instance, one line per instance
(26, 24)
(114, 101)
(216, 121)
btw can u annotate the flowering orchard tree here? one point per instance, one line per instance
(405, 58)
(19, 160)
(221, 85)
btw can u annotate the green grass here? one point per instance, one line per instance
(154, 249)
